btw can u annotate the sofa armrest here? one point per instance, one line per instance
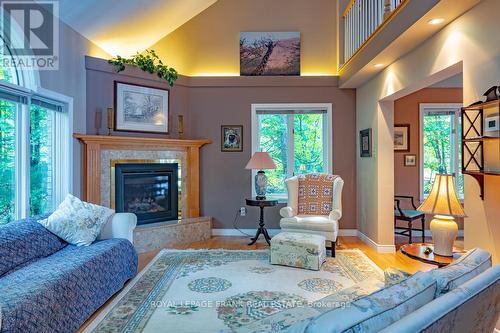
(335, 215)
(286, 212)
(121, 225)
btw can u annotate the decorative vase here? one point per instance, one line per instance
(444, 231)
(260, 185)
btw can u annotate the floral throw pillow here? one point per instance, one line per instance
(315, 194)
(76, 221)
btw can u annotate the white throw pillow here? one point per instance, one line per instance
(76, 221)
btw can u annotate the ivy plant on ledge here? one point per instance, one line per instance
(148, 62)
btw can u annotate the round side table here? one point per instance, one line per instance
(417, 251)
(262, 229)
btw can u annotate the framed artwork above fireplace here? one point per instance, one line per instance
(141, 108)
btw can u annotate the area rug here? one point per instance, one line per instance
(226, 291)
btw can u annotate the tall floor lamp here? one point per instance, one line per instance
(443, 203)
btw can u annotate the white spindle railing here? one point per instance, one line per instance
(361, 19)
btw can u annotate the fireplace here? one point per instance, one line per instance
(149, 190)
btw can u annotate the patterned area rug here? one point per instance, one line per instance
(226, 291)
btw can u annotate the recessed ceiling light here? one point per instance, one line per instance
(378, 65)
(436, 21)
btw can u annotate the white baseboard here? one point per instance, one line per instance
(272, 232)
(235, 232)
(380, 248)
(348, 232)
(428, 233)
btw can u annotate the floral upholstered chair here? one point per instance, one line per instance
(314, 206)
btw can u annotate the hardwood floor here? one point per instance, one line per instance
(383, 260)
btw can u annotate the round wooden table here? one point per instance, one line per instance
(417, 251)
(262, 229)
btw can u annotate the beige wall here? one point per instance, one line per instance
(468, 44)
(208, 44)
(407, 111)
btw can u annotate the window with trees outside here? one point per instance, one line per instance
(34, 149)
(440, 153)
(296, 136)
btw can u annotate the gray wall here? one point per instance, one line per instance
(208, 102)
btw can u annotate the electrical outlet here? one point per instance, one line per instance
(243, 211)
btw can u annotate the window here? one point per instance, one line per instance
(440, 153)
(35, 149)
(297, 137)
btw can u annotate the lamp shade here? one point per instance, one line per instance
(260, 161)
(443, 198)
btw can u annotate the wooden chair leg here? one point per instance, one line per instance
(409, 231)
(423, 229)
(333, 249)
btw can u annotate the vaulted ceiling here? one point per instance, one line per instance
(126, 26)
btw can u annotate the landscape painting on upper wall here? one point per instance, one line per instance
(270, 53)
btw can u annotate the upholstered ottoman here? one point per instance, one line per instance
(298, 250)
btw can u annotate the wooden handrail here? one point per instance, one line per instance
(348, 8)
(363, 23)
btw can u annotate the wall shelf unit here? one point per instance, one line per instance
(474, 139)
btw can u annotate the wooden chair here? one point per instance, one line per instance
(408, 216)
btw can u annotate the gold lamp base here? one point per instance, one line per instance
(444, 232)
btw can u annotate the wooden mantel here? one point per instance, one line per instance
(94, 144)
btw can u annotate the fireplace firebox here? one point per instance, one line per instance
(150, 191)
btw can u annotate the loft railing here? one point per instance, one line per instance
(361, 19)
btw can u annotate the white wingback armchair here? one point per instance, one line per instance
(326, 225)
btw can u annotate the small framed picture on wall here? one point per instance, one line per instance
(365, 142)
(410, 160)
(231, 138)
(402, 138)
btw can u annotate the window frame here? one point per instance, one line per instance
(62, 135)
(439, 107)
(327, 136)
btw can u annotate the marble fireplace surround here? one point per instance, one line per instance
(99, 152)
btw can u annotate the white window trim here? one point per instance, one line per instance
(287, 106)
(436, 107)
(63, 180)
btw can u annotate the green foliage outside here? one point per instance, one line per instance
(274, 140)
(439, 150)
(7, 154)
(40, 160)
(40, 157)
(307, 141)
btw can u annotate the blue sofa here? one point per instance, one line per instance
(48, 285)
(462, 297)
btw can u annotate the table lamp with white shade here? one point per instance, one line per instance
(261, 161)
(443, 203)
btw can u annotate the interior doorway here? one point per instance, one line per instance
(427, 141)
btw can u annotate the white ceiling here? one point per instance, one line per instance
(126, 26)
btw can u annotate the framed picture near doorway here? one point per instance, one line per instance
(365, 142)
(401, 138)
(410, 160)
